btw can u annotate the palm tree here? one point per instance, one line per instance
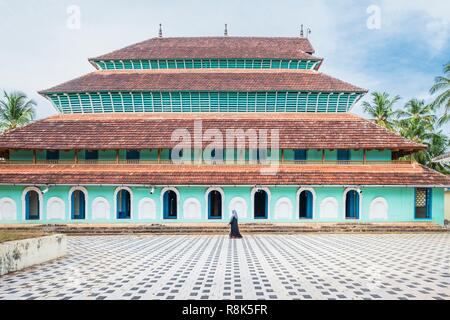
(381, 109)
(442, 86)
(417, 122)
(437, 146)
(16, 110)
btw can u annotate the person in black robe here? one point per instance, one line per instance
(234, 234)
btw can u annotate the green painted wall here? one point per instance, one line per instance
(400, 202)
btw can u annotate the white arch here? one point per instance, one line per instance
(329, 208)
(240, 205)
(313, 192)
(379, 209)
(163, 191)
(269, 197)
(8, 209)
(86, 195)
(41, 201)
(283, 208)
(56, 209)
(347, 190)
(192, 209)
(131, 201)
(101, 209)
(222, 193)
(147, 209)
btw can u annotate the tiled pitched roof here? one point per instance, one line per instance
(205, 80)
(144, 131)
(329, 175)
(215, 48)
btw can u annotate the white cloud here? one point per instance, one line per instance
(429, 20)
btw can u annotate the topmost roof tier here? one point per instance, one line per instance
(215, 48)
(261, 52)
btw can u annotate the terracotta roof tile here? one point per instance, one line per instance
(205, 80)
(401, 175)
(215, 48)
(146, 130)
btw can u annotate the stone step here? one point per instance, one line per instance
(250, 228)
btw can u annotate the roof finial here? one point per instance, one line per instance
(160, 31)
(308, 32)
(226, 30)
(301, 32)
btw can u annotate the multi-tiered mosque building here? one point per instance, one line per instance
(190, 129)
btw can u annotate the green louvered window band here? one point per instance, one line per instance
(207, 64)
(106, 102)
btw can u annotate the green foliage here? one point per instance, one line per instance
(16, 110)
(381, 109)
(442, 88)
(416, 121)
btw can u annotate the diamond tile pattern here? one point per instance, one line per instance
(257, 267)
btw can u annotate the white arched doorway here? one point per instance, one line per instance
(123, 203)
(32, 204)
(306, 203)
(352, 203)
(170, 203)
(261, 199)
(215, 200)
(78, 203)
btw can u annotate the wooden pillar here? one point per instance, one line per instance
(365, 157)
(282, 155)
(159, 155)
(323, 155)
(76, 156)
(34, 157)
(117, 156)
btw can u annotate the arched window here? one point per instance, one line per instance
(32, 205)
(261, 204)
(352, 205)
(305, 205)
(123, 204)
(170, 210)
(78, 200)
(215, 205)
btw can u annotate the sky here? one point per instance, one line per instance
(397, 46)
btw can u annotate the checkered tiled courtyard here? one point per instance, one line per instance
(257, 267)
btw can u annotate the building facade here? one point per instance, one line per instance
(189, 129)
